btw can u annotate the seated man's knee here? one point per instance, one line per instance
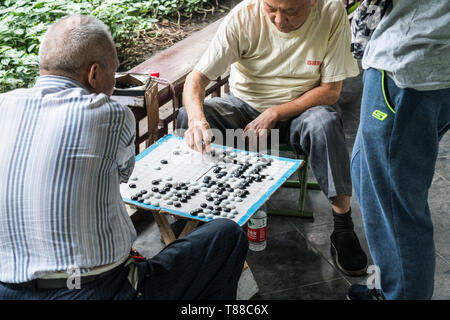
(319, 119)
(229, 230)
(182, 118)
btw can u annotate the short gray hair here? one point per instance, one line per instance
(73, 42)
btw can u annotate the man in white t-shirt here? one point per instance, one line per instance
(287, 61)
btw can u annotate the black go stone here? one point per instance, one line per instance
(155, 189)
(226, 209)
(203, 205)
(210, 207)
(169, 185)
(215, 212)
(217, 202)
(164, 161)
(177, 204)
(155, 182)
(134, 198)
(183, 199)
(217, 170)
(132, 185)
(210, 199)
(206, 179)
(196, 211)
(218, 208)
(143, 191)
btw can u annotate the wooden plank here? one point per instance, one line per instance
(176, 62)
(164, 227)
(190, 225)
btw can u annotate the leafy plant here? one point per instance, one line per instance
(24, 22)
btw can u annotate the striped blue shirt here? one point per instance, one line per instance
(63, 153)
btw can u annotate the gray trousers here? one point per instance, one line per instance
(318, 132)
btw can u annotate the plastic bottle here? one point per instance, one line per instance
(256, 230)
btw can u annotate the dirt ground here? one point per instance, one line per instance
(166, 33)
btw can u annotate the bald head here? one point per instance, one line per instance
(73, 43)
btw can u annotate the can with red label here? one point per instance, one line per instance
(256, 230)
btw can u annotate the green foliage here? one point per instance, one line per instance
(24, 22)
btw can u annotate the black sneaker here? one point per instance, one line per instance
(348, 256)
(360, 292)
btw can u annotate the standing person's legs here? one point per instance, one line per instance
(205, 264)
(319, 133)
(393, 164)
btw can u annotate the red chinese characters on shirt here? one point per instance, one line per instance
(313, 63)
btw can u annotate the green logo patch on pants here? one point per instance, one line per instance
(377, 114)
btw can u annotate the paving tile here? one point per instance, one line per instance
(327, 290)
(442, 234)
(319, 237)
(148, 241)
(443, 166)
(442, 280)
(288, 262)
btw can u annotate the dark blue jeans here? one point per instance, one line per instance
(392, 168)
(205, 264)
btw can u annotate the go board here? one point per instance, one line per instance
(224, 183)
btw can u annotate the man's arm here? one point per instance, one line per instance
(193, 97)
(327, 93)
(126, 150)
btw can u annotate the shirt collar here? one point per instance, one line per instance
(58, 81)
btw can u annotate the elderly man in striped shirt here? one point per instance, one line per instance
(65, 148)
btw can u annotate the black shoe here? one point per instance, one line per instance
(348, 256)
(360, 292)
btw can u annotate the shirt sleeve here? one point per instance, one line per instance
(339, 62)
(222, 51)
(126, 151)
